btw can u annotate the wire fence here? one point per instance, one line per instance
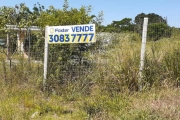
(111, 64)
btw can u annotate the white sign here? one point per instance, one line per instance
(71, 34)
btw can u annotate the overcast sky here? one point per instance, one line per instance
(115, 9)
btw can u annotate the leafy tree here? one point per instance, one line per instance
(157, 26)
(21, 16)
(158, 30)
(152, 18)
(125, 24)
(59, 55)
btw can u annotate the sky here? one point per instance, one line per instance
(115, 10)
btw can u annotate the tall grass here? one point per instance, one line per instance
(109, 91)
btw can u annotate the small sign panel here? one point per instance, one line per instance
(71, 34)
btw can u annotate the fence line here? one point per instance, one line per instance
(111, 62)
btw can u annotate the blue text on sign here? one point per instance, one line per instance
(71, 37)
(82, 29)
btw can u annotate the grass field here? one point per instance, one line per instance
(113, 93)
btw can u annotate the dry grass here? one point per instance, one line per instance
(113, 91)
(163, 104)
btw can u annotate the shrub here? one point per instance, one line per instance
(157, 31)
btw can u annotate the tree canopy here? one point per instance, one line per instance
(23, 17)
(157, 26)
(125, 24)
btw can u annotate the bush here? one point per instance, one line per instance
(157, 31)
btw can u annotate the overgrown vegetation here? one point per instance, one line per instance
(102, 83)
(108, 92)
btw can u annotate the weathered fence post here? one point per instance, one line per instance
(45, 59)
(143, 48)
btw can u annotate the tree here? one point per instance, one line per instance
(158, 30)
(152, 18)
(157, 26)
(21, 16)
(125, 24)
(59, 55)
(62, 70)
